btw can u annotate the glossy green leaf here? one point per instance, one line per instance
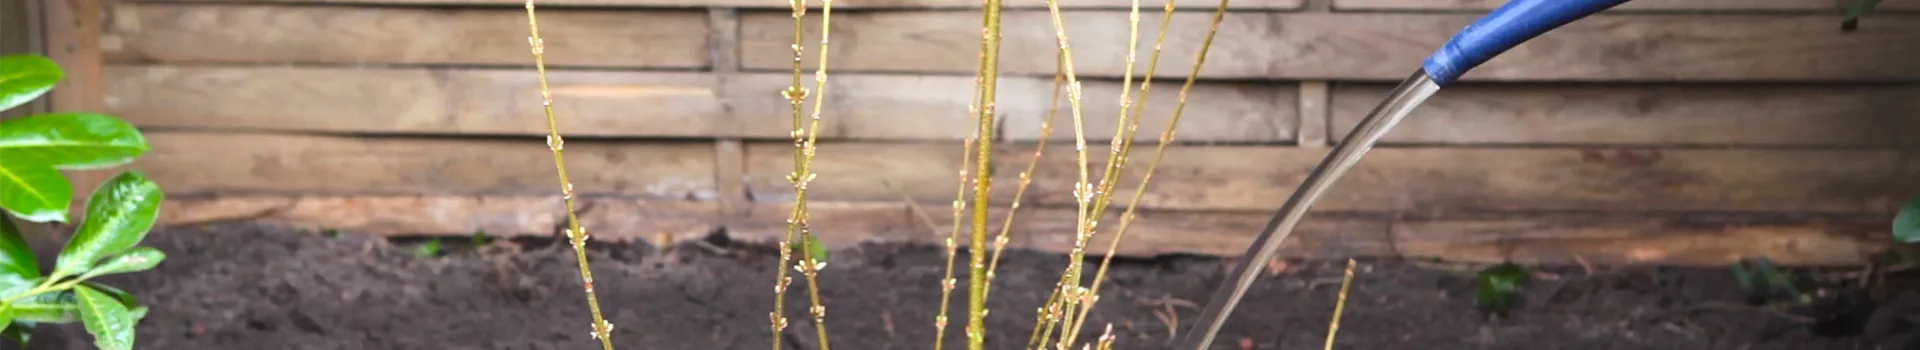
(17, 267)
(34, 192)
(1906, 224)
(110, 322)
(54, 307)
(25, 77)
(71, 140)
(1499, 287)
(123, 296)
(118, 217)
(20, 332)
(134, 260)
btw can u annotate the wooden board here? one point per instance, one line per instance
(606, 218)
(1793, 115)
(1153, 6)
(655, 104)
(417, 101)
(1638, 5)
(929, 107)
(228, 33)
(1558, 239)
(1374, 46)
(1438, 180)
(201, 163)
(73, 38)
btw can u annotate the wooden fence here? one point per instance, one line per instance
(1671, 131)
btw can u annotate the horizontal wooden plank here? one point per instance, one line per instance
(1387, 179)
(238, 33)
(1854, 115)
(1145, 5)
(904, 107)
(206, 162)
(1558, 239)
(1638, 5)
(1374, 46)
(657, 104)
(420, 101)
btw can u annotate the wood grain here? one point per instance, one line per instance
(1145, 5)
(606, 218)
(652, 104)
(929, 107)
(1638, 5)
(1789, 115)
(1373, 46)
(240, 33)
(203, 163)
(73, 31)
(415, 101)
(1436, 180)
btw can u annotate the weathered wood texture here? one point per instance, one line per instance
(1428, 180)
(676, 104)
(1371, 46)
(1656, 5)
(1145, 5)
(220, 33)
(1781, 115)
(208, 163)
(1548, 239)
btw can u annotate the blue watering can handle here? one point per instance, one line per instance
(1506, 27)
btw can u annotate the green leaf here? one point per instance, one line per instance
(71, 140)
(26, 77)
(118, 217)
(1859, 8)
(34, 192)
(17, 267)
(125, 298)
(134, 260)
(1906, 224)
(110, 322)
(431, 249)
(19, 332)
(1499, 287)
(53, 307)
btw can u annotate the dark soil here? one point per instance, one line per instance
(244, 286)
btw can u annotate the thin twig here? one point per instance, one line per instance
(576, 235)
(1340, 306)
(983, 177)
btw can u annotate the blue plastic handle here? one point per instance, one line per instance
(1506, 27)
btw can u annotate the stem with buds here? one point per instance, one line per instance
(576, 235)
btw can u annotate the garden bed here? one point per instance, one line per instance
(249, 286)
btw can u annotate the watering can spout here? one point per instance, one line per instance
(1507, 26)
(1504, 28)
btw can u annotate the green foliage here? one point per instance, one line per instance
(1498, 289)
(26, 77)
(1906, 224)
(33, 149)
(1859, 8)
(431, 249)
(1764, 282)
(119, 213)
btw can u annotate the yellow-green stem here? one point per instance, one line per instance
(1166, 139)
(575, 234)
(983, 177)
(1340, 306)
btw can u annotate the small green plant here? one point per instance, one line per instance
(1906, 224)
(1498, 288)
(1764, 282)
(33, 150)
(429, 250)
